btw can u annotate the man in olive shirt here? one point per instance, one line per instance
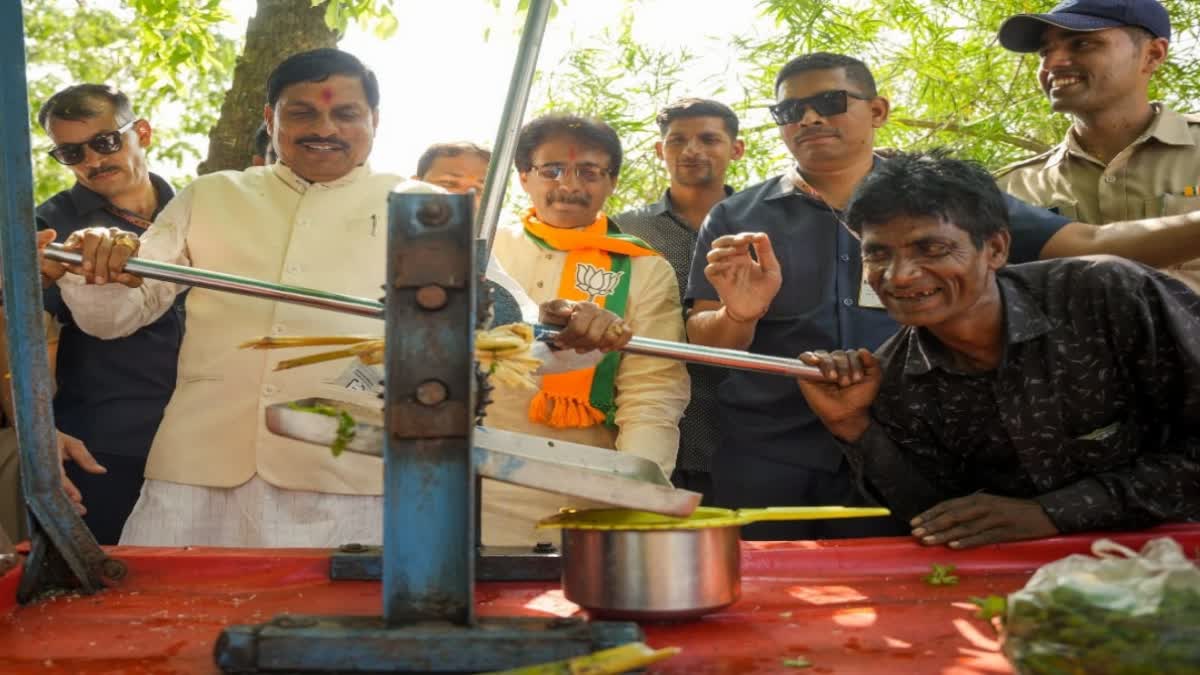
(1124, 157)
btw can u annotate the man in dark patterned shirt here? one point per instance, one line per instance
(699, 140)
(1016, 402)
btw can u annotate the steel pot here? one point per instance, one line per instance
(643, 566)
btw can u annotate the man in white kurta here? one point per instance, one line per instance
(318, 218)
(270, 224)
(649, 393)
(216, 476)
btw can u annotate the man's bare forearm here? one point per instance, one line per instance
(1157, 242)
(715, 328)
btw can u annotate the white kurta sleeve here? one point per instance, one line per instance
(114, 310)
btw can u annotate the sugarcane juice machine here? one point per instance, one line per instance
(433, 394)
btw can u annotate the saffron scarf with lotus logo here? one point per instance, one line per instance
(597, 269)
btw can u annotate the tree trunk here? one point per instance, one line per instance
(279, 29)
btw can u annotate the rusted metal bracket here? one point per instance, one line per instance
(64, 554)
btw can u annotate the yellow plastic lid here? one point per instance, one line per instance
(628, 519)
(703, 517)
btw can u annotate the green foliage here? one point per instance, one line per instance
(1071, 630)
(941, 575)
(167, 55)
(164, 54)
(369, 14)
(950, 82)
(642, 75)
(990, 607)
(623, 82)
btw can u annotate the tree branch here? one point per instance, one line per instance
(953, 127)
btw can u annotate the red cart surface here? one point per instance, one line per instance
(851, 606)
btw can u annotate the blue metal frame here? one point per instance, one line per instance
(428, 622)
(64, 553)
(429, 476)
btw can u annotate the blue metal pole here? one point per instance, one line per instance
(28, 359)
(429, 476)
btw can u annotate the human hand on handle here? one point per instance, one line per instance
(105, 250)
(585, 326)
(843, 399)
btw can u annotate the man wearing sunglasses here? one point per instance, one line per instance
(790, 230)
(110, 393)
(568, 249)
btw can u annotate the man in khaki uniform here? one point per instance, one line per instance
(1124, 158)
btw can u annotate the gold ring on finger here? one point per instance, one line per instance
(129, 241)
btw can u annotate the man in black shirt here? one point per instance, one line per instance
(110, 393)
(1016, 402)
(813, 293)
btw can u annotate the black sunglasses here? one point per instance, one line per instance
(105, 143)
(826, 103)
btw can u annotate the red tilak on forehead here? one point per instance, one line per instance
(327, 94)
(571, 153)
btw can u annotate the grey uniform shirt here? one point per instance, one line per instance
(657, 225)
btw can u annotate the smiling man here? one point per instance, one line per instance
(773, 451)
(318, 218)
(807, 290)
(1016, 402)
(1124, 156)
(110, 393)
(567, 249)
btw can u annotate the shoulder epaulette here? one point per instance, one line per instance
(1024, 162)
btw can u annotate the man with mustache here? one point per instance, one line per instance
(317, 217)
(699, 140)
(1124, 156)
(1016, 402)
(567, 249)
(791, 228)
(110, 393)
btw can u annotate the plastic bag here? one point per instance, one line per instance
(1118, 613)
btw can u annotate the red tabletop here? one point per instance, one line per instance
(850, 606)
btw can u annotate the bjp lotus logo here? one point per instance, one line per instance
(595, 281)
